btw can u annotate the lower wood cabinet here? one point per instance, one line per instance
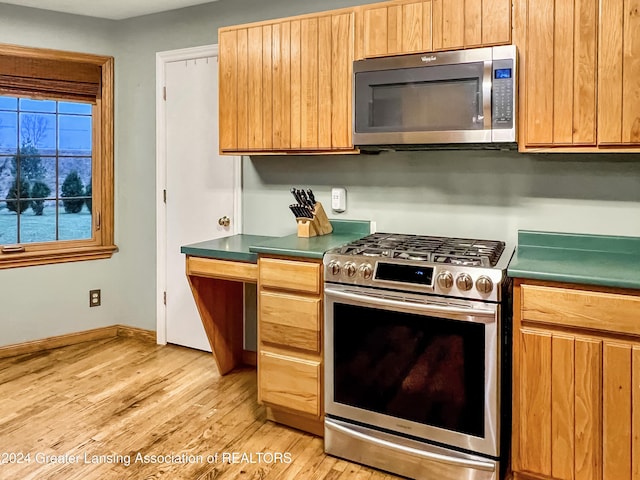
(290, 357)
(576, 410)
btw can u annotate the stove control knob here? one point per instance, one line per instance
(484, 284)
(366, 271)
(445, 280)
(350, 269)
(464, 282)
(334, 267)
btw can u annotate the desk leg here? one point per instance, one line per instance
(221, 305)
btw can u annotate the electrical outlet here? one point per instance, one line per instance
(94, 298)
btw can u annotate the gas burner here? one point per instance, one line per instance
(472, 262)
(375, 252)
(412, 256)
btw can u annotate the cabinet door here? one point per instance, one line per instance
(619, 73)
(342, 51)
(242, 90)
(496, 22)
(470, 23)
(286, 86)
(394, 28)
(558, 405)
(559, 72)
(448, 24)
(228, 88)
(621, 411)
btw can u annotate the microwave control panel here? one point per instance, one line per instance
(503, 97)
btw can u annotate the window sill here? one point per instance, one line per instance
(77, 254)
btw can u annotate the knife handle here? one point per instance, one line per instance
(312, 198)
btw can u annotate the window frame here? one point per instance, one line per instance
(101, 245)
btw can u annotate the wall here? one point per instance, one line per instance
(482, 194)
(38, 302)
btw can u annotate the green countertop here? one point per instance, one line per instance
(603, 260)
(344, 231)
(245, 248)
(235, 247)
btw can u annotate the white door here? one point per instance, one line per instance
(201, 186)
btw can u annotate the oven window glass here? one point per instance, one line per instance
(418, 368)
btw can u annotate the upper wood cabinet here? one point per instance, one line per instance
(407, 26)
(619, 72)
(579, 72)
(285, 86)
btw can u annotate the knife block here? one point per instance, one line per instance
(318, 225)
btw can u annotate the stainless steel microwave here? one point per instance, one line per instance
(465, 97)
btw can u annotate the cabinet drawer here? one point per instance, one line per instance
(580, 308)
(225, 269)
(290, 275)
(290, 320)
(290, 382)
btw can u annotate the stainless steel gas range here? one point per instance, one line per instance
(417, 355)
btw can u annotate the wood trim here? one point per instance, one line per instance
(579, 149)
(137, 333)
(28, 259)
(326, 13)
(516, 456)
(35, 346)
(312, 425)
(46, 53)
(253, 153)
(250, 358)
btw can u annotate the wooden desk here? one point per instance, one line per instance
(217, 288)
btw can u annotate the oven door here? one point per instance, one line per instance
(421, 366)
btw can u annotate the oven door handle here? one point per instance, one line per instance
(404, 449)
(422, 307)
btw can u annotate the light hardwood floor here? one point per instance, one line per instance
(121, 397)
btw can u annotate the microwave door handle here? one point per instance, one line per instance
(486, 95)
(422, 307)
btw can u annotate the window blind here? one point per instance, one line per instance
(49, 77)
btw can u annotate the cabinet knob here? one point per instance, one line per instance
(224, 221)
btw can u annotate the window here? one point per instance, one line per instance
(56, 156)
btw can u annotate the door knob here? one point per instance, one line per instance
(224, 221)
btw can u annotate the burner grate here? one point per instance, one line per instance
(458, 251)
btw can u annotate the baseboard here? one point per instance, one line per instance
(249, 358)
(135, 332)
(49, 343)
